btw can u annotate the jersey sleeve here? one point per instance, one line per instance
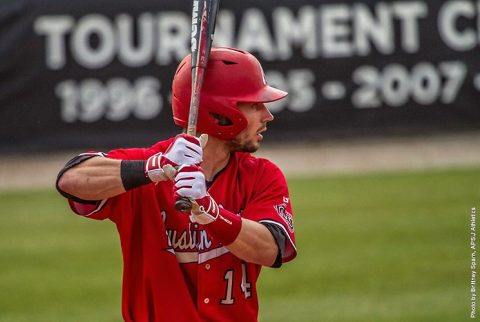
(107, 208)
(270, 204)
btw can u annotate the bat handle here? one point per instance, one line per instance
(183, 204)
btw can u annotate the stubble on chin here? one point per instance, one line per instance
(249, 146)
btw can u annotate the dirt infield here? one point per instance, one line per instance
(332, 156)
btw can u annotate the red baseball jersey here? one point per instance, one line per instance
(173, 269)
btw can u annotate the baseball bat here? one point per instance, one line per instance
(204, 14)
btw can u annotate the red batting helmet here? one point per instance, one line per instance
(232, 76)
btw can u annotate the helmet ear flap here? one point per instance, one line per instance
(213, 113)
(221, 120)
(209, 114)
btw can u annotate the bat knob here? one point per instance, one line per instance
(183, 204)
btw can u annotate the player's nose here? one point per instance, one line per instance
(267, 116)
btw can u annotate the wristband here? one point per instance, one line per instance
(132, 173)
(225, 228)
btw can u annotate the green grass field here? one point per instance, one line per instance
(381, 247)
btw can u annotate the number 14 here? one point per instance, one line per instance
(245, 286)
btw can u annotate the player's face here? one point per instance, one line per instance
(257, 116)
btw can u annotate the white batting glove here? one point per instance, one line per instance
(190, 183)
(184, 150)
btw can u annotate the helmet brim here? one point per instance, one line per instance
(266, 95)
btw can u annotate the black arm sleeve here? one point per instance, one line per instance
(279, 237)
(70, 164)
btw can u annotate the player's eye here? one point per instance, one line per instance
(257, 106)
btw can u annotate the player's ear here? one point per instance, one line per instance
(203, 140)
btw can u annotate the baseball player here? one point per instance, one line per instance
(202, 265)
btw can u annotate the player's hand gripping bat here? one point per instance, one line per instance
(204, 14)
